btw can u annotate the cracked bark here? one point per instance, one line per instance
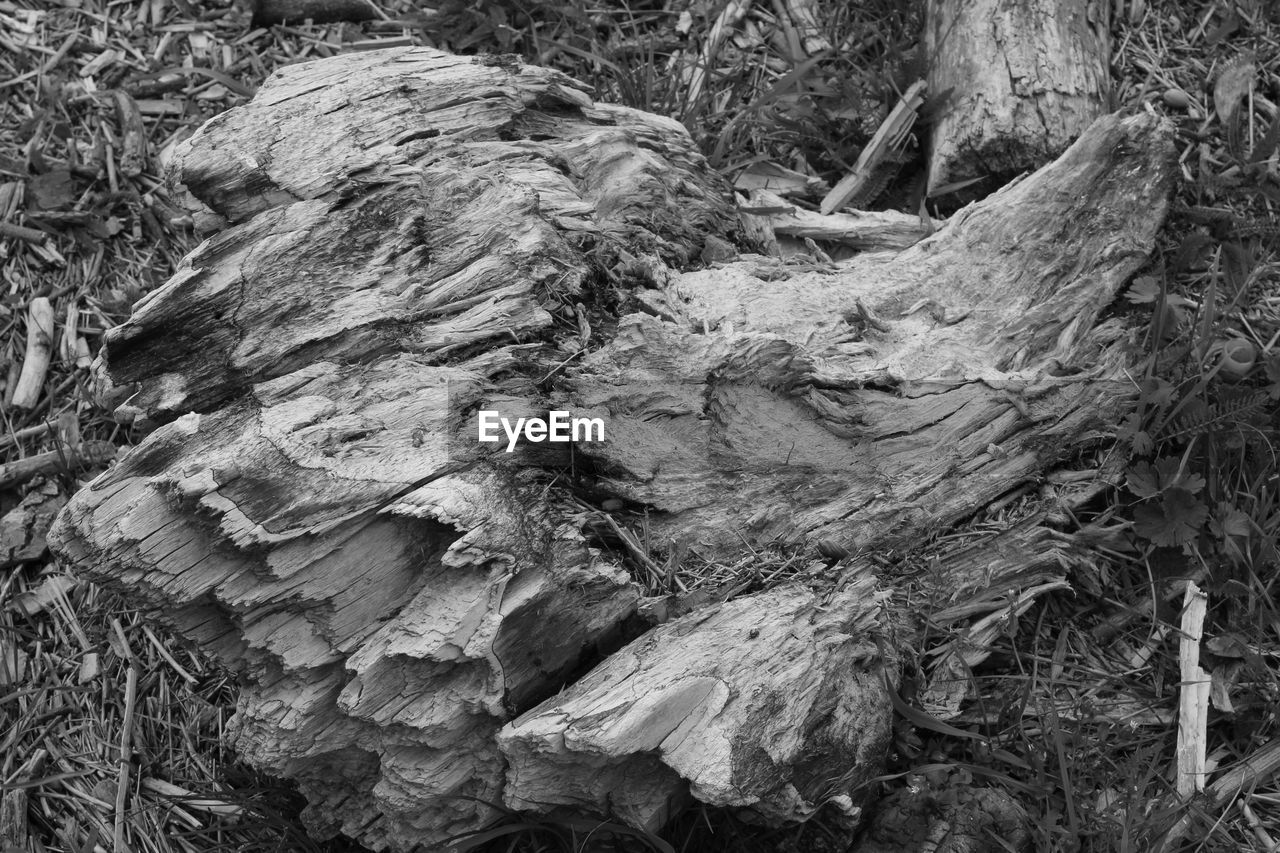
(1026, 77)
(420, 625)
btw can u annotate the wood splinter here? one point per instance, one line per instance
(1193, 702)
(35, 365)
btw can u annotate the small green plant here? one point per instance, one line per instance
(1201, 435)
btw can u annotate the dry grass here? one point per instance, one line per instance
(94, 697)
(1078, 694)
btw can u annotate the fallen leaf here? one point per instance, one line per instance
(1227, 646)
(53, 190)
(1144, 289)
(1233, 86)
(104, 228)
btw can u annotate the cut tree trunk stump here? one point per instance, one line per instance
(1022, 80)
(422, 624)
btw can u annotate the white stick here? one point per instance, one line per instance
(804, 16)
(734, 12)
(39, 348)
(1193, 703)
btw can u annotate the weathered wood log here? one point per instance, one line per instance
(423, 624)
(1024, 79)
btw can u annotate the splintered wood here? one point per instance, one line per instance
(861, 230)
(889, 140)
(420, 628)
(1193, 700)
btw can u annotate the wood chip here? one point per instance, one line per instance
(1193, 701)
(35, 365)
(99, 62)
(133, 135)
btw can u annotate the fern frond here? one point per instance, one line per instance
(1215, 415)
(881, 177)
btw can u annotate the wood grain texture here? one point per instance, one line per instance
(773, 701)
(795, 421)
(1025, 79)
(420, 626)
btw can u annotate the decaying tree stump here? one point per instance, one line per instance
(423, 624)
(1024, 77)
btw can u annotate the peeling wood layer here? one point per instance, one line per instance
(421, 626)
